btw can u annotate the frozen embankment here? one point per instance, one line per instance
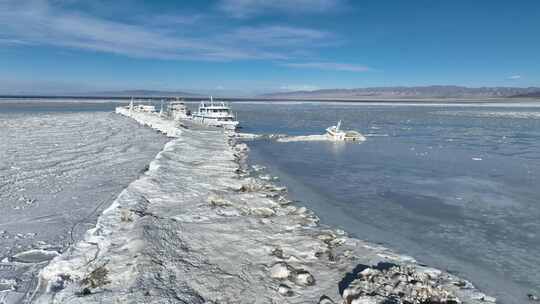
(196, 229)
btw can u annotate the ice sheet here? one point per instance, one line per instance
(58, 172)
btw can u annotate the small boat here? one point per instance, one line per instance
(335, 133)
(141, 108)
(178, 110)
(145, 108)
(216, 114)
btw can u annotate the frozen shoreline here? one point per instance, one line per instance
(196, 228)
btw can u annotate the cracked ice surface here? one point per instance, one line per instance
(58, 172)
(196, 229)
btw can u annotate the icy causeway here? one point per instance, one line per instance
(197, 228)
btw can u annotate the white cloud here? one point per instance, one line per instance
(4, 41)
(276, 35)
(302, 87)
(173, 20)
(247, 8)
(514, 77)
(44, 22)
(332, 66)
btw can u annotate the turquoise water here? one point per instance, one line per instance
(454, 186)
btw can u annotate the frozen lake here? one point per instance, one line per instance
(59, 168)
(454, 186)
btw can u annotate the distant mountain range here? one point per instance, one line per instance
(530, 95)
(374, 93)
(142, 93)
(456, 92)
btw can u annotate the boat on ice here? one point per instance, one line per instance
(335, 133)
(141, 107)
(218, 114)
(178, 110)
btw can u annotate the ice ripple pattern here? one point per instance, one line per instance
(58, 171)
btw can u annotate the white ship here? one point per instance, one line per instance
(216, 114)
(178, 110)
(335, 133)
(141, 108)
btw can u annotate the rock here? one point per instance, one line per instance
(250, 186)
(367, 300)
(257, 168)
(85, 292)
(368, 272)
(241, 147)
(263, 212)
(325, 300)
(396, 284)
(215, 201)
(228, 212)
(126, 216)
(275, 188)
(8, 285)
(484, 298)
(56, 284)
(436, 273)
(278, 252)
(280, 271)
(283, 201)
(326, 237)
(285, 290)
(304, 278)
(533, 297)
(341, 232)
(97, 278)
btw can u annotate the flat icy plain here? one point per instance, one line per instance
(58, 172)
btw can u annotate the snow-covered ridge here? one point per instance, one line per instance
(152, 120)
(195, 228)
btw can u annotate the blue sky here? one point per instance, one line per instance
(255, 46)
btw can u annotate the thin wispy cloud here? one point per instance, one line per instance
(174, 20)
(9, 42)
(170, 37)
(39, 22)
(330, 66)
(280, 36)
(514, 77)
(249, 8)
